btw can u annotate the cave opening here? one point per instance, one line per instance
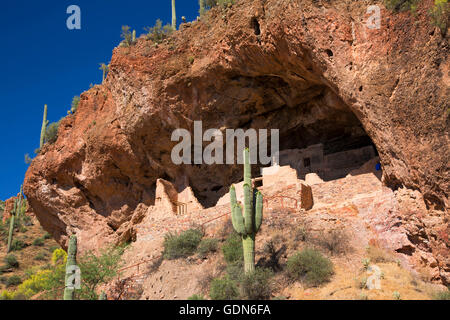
(319, 133)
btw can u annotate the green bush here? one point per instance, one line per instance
(127, 37)
(183, 245)
(11, 261)
(440, 15)
(236, 270)
(47, 236)
(41, 256)
(443, 295)
(256, 285)
(310, 266)
(158, 33)
(232, 248)
(39, 242)
(74, 105)
(97, 269)
(51, 132)
(17, 245)
(13, 281)
(224, 289)
(206, 246)
(401, 5)
(196, 297)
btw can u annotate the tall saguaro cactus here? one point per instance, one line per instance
(174, 16)
(202, 7)
(11, 226)
(105, 69)
(71, 262)
(19, 207)
(247, 225)
(44, 127)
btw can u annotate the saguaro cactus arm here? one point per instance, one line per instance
(258, 211)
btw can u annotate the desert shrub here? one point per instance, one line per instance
(39, 242)
(196, 297)
(232, 248)
(98, 269)
(3, 269)
(158, 33)
(53, 248)
(256, 285)
(3, 232)
(127, 36)
(17, 245)
(442, 295)
(41, 256)
(51, 132)
(47, 236)
(183, 245)
(75, 103)
(207, 246)
(26, 220)
(336, 241)
(272, 260)
(310, 266)
(13, 281)
(301, 234)
(11, 261)
(224, 289)
(401, 5)
(235, 270)
(3, 279)
(49, 279)
(378, 255)
(440, 15)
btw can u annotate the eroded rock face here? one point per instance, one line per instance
(309, 68)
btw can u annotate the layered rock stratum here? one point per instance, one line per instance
(312, 69)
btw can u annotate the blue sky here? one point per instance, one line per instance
(43, 62)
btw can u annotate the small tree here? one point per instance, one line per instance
(97, 269)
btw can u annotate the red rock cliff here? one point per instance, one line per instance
(310, 68)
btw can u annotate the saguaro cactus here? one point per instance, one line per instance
(11, 226)
(202, 7)
(133, 36)
(71, 262)
(19, 207)
(44, 127)
(174, 16)
(105, 69)
(247, 225)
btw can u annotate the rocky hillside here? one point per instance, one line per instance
(312, 69)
